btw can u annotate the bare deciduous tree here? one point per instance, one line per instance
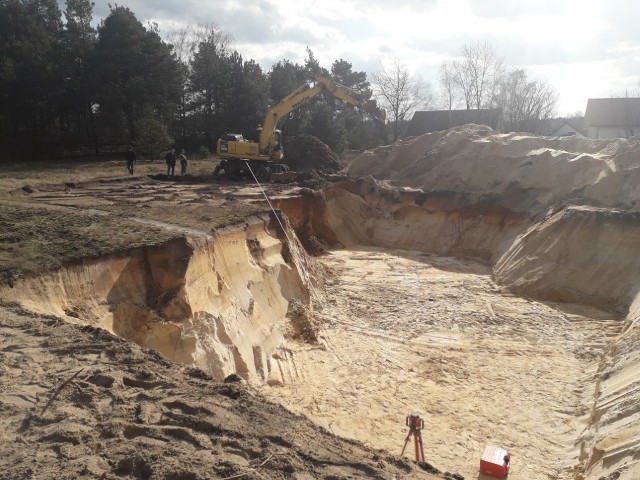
(449, 89)
(476, 72)
(185, 41)
(400, 93)
(526, 105)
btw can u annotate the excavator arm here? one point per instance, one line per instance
(237, 154)
(351, 97)
(303, 94)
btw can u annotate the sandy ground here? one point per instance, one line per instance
(407, 332)
(402, 332)
(77, 402)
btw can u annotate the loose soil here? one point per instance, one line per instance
(387, 333)
(407, 332)
(306, 152)
(78, 402)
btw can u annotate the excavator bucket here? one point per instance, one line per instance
(377, 113)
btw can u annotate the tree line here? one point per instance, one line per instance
(64, 84)
(479, 79)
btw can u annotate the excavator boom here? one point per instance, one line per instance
(306, 92)
(232, 147)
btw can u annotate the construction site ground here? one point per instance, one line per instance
(400, 332)
(78, 402)
(407, 332)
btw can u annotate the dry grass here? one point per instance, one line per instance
(35, 240)
(16, 175)
(41, 232)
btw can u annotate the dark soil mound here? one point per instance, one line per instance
(306, 152)
(311, 179)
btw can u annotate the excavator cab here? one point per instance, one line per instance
(223, 141)
(277, 141)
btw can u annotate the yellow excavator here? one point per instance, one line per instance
(264, 157)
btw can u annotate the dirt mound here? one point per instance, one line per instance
(78, 402)
(528, 173)
(311, 179)
(304, 326)
(306, 152)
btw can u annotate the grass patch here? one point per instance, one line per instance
(15, 175)
(36, 240)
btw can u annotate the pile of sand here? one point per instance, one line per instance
(527, 173)
(306, 152)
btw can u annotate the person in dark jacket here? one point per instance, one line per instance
(130, 157)
(183, 162)
(170, 160)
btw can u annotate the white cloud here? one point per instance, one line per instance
(585, 48)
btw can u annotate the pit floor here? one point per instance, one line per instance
(405, 332)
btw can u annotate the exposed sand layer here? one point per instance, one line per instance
(407, 332)
(467, 218)
(215, 302)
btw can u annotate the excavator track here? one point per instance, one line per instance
(237, 169)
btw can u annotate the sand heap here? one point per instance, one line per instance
(306, 152)
(527, 173)
(555, 218)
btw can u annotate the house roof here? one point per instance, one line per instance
(613, 112)
(553, 125)
(436, 120)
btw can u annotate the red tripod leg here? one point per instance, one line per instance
(406, 440)
(419, 448)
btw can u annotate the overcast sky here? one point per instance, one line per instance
(584, 48)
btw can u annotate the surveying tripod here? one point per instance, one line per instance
(415, 424)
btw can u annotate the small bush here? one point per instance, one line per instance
(152, 135)
(204, 152)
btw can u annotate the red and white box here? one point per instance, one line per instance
(495, 461)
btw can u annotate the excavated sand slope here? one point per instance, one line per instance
(219, 303)
(555, 219)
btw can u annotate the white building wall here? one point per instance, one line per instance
(611, 132)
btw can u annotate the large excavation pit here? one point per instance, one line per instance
(465, 283)
(408, 332)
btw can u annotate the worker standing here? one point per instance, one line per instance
(130, 157)
(183, 162)
(170, 160)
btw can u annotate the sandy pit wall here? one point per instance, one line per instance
(592, 256)
(576, 254)
(216, 302)
(369, 212)
(610, 446)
